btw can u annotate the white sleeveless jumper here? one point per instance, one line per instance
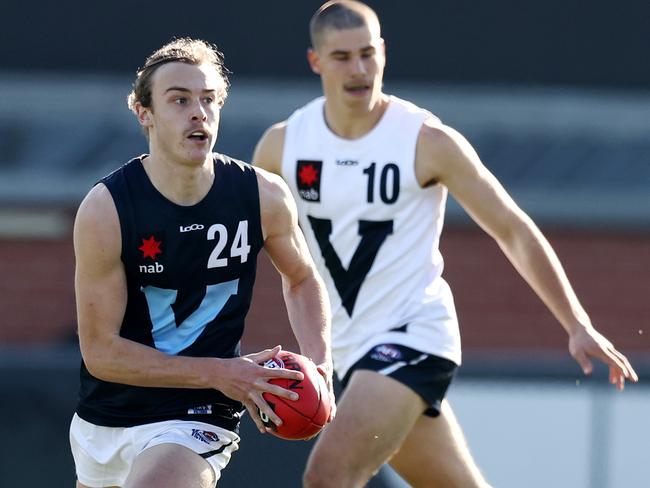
(373, 232)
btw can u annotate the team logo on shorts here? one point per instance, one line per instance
(308, 176)
(386, 353)
(205, 436)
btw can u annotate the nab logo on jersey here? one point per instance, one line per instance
(308, 176)
(150, 249)
(151, 268)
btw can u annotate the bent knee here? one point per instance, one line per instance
(325, 475)
(330, 475)
(317, 476)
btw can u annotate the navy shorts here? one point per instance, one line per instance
(429, 376)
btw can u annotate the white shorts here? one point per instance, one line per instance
(103, 456)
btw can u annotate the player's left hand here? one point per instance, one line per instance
(588, 343)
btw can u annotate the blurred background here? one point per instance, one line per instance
(554, 95)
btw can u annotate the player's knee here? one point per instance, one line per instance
(320, 475)
(329, 475)
(314, 477)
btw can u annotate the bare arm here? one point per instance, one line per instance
(444, 156)
(101, 295)
(304, 291)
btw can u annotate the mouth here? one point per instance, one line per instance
(358, 88)
(199, 135)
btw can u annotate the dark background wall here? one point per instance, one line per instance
(596, 43)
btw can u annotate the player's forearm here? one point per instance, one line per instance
(532, 255)
(309, 315)
(120, 360)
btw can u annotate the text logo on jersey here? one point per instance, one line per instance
(308, 176)
(190, 228)
(150, 248)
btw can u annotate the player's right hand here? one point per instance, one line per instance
(245, 379)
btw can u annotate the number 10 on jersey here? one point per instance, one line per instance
(388, 194)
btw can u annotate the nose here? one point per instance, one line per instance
(199, 112)
(358, 66)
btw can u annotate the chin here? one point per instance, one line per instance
(197, 159)
(356, 103)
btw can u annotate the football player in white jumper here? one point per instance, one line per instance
(370, 173)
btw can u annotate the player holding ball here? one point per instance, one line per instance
(166, 248)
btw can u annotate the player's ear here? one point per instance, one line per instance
(143, 114)
(312, 58)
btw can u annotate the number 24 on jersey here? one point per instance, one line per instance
(238, 249)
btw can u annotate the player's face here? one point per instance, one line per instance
(184, 118)
(351, 65)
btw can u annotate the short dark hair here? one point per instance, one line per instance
(337, 15)
(183, 50)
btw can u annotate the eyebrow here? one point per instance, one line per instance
(187, 90)
(343, 51)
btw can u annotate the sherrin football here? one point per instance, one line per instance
(305, 417)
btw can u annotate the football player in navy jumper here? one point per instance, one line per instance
(166, 248)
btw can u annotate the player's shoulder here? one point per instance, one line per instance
(435, 136)
(98, 201)
(97, 210)
(97, 230)
(275, 134)
(269, 149)
(277, 206)
(440, 151)
(271, 185)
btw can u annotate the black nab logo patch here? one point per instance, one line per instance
(308, 175)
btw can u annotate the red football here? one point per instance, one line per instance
(305, 417)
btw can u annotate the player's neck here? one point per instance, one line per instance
(351, 122)
(183, 184)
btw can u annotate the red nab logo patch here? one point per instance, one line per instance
(308, 177)
(150, 248)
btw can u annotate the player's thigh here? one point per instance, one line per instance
(373, 416)
(170, 466)
(435, 453)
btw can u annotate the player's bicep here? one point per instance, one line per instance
(284, 241)
(100, 282)
(268, 152)
(290, 256)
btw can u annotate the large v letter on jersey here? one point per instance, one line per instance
(172, 338)
(348, 282)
